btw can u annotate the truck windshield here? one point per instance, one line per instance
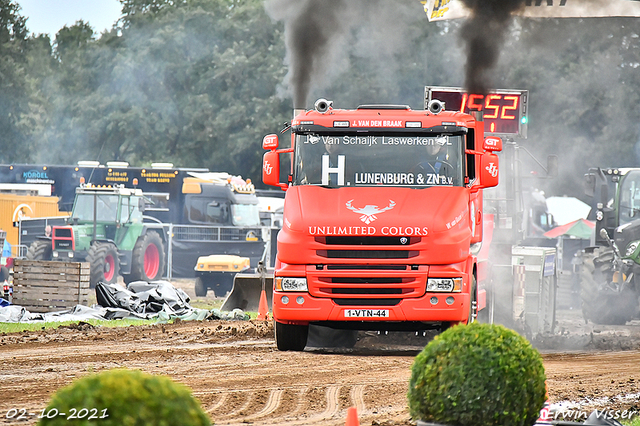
(245, 214)
(107, 207)
(415, 161)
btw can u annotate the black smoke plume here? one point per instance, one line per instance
(483, 34)
(312, 29)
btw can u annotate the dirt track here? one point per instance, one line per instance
(238, 375)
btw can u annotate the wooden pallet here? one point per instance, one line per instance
(46, 286)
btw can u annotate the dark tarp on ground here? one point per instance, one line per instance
(143, 298)
(140, 300)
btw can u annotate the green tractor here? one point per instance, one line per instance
(610, 270)
(107, 229)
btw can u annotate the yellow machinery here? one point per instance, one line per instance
(216, 272)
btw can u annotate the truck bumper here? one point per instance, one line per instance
(302, 308)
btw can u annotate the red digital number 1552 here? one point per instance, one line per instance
(500, 105)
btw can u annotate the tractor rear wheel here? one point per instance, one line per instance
(599, 304)
(104, 263)
(291, 337)
(39, 250)
(147, 262)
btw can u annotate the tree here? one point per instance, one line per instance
(188, 82)
(583, 98)
(200, 82)
(13, 97)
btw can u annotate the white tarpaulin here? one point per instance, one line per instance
(440, 10)
(567, 209)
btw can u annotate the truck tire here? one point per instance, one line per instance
(599, 305)
(290, 337)
(473, 305)
(39, 250)
(200, 287)
(147, 262)
(104, 263)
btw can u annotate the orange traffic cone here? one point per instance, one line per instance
(352, 417)
(263, 307)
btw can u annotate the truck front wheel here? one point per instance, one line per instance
(104, 263)
(291, 337)
(473, 305)
(147, 263)
(39, 250)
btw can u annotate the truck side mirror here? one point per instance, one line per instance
(271, 169)
(589, 184)
(489, 176)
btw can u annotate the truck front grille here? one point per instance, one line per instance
(368, 241)
(402, 281)
(367, 254)
(367, 267)
(367, 302)
(370, 270)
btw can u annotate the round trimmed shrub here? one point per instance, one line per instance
(477, 374)
(127, 398)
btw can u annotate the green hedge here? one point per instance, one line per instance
(477, 375)
(127, 398)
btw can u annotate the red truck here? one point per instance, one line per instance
(382, 220)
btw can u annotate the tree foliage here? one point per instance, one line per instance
(477, 374)
(13, 97)
(200, 82)
(190, 82)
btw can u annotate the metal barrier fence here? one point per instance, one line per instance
(185, 242)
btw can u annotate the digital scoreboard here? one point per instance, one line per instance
(504, 111)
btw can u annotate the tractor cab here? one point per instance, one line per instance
(107, 229)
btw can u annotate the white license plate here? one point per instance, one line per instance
(366, 313)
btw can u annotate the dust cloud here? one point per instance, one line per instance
(483, 34)
(321, 36)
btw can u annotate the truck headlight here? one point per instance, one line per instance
(291, 284)
(444, 285)
(631, 248)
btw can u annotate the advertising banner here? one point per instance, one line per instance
(440, 10)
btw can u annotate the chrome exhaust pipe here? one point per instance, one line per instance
(323, 105)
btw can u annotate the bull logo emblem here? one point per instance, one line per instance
(492, 169)
(369, 212)
(268, 168)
